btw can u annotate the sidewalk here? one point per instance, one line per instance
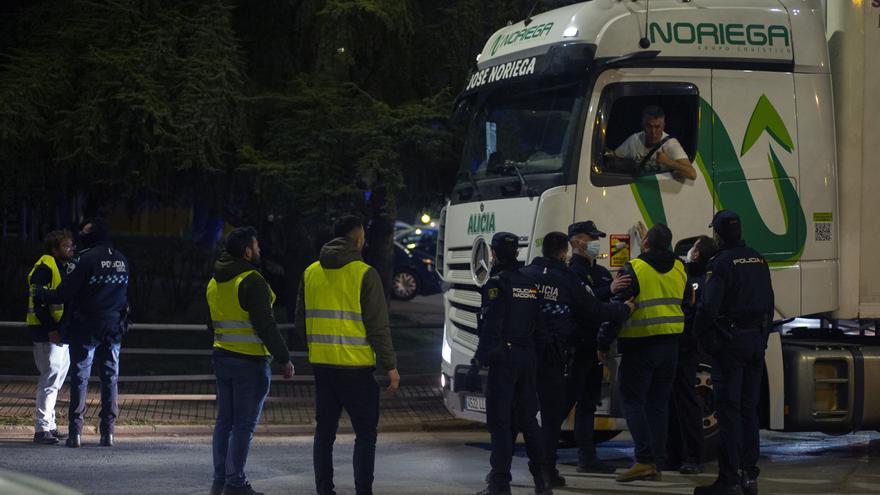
(187, 407)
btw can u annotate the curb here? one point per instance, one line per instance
(15, 431)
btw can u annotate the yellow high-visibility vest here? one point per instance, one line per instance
(335, 328)
(57, 310)
(233, 330)
(658, 305)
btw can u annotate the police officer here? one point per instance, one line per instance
(569, 309)
(96, 289)
(684, 446)
(584, 384)
(508, 322)
(648, 343)
(732, 322)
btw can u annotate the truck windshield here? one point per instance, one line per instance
(514, 132)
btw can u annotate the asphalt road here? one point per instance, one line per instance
(425, 464)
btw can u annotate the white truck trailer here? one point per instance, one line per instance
(753, 90)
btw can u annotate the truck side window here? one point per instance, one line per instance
(644, 128)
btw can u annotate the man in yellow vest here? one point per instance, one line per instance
(648, 342)
(245, 339)
(343, 310)
(44, 323)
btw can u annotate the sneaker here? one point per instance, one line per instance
(640, 471)
(596, 466)
(217, 487)
(57, 434)
(240, 490)
(691, 468)
(717, 488)
(45, 438)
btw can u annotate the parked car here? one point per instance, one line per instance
(414, 272)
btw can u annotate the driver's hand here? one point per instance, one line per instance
(662, 158)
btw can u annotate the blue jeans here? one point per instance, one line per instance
(81, 357)
(646, 376)
(242, 387)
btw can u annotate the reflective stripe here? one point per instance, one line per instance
(336, 339)
(656, 321)
(658, 302)
(232, 324)
(237, 337)
(333, 314)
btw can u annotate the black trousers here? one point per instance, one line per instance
(511, 405)
(736, 372)
(357, 392)
(583, 390)
(553, 399)
(685, 441)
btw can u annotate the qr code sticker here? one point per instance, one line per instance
(823, 231)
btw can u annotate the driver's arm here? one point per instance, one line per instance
(673, 156)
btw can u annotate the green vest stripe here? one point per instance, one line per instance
(337, 339)
(333, 314)
(658, 320)
(335, 330)
(658, 304)
(56, 310)
(233, 330)
(663, 301)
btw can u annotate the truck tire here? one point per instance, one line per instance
(710, 416)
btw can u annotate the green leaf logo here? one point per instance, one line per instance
(765, 117)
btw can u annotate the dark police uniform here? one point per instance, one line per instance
(507, 325)
(569, 309)
(736, 309)
(97, 291)
(684, 446)
(585, 382)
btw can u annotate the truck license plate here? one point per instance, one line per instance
(475, 403)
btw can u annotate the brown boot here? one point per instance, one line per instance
(640, 471)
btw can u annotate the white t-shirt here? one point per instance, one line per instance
(634, 149)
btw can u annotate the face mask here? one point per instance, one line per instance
(593, 248)
(690, 256)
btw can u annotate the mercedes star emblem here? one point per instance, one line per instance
(480, 261)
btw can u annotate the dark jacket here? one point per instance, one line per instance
(596, 276)
(571, 313)
(693, 291)
(253, 296)
(660, 260)
(738, 294)
(374, 307)
(42, 277)
(95, 295)
(510, 314)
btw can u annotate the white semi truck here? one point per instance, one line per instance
(753, 90)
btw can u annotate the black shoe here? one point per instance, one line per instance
(750, 486)
(217, 487)
(45, 438)
(717, 488)
(489, 491)
(556, 479)
(73, 441)
(596, 466)
(57, 434)
(106, 439)
(240, 490)
(691, 468)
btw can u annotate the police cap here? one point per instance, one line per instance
(588, 227)
(727, 225)
(505, 240)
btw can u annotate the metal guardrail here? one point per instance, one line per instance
(151, 326)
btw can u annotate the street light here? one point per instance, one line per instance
(426, 219)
